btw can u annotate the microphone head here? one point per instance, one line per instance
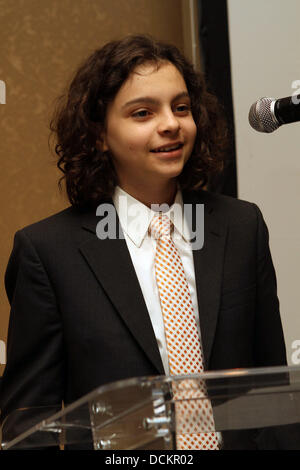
(261, 115)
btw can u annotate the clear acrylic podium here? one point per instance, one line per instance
(252, 408)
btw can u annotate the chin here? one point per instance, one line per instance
(175, 171)
(171, 176)
(169, 171)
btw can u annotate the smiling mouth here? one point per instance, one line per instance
(168, 148)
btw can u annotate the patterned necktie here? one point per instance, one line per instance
(193, 408)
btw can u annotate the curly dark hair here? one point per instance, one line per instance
(79, 119)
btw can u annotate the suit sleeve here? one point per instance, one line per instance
(269, 339)
(34, 373)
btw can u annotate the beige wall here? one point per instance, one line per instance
(41, 43)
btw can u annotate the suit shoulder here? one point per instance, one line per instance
(231, 211)
(62, 222)
(229, 208)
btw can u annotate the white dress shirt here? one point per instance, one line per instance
(135, 218)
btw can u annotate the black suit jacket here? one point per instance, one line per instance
(79, 320)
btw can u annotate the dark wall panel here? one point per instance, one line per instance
(214, 41)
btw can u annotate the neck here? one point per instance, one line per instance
(148, 195)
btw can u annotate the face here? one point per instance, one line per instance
(150, 131)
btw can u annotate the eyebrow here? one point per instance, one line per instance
(150, 100)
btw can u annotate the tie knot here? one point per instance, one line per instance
(160, 226)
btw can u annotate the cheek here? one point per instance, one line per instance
(192, 134)
(126, 149)
(137, 142)
(193, 131)
(124, 138)
(119, 143)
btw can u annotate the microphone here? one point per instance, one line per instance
(267, 114)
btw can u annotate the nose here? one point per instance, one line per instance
(168, 122)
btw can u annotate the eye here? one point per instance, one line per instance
(182, 108)
(141, 113)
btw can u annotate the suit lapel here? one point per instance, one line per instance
(208, 264)
(111, 263)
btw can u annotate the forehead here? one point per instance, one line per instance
(152, 79)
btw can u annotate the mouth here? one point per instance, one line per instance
(168, 148)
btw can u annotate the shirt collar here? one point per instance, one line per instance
(135, 217)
